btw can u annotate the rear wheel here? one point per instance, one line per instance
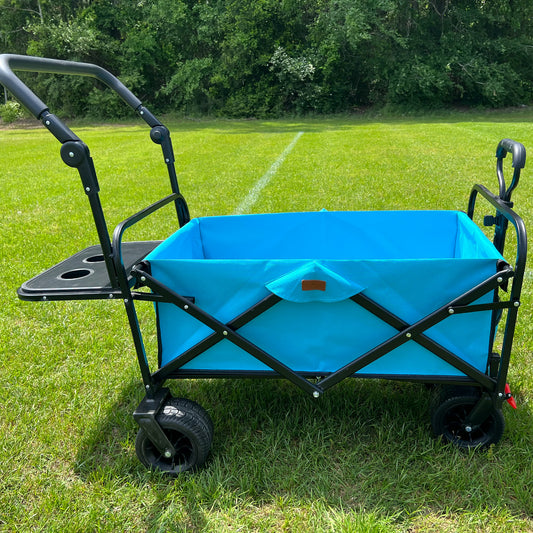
(449, 421)
(188, 427)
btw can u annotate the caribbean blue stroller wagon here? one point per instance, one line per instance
(311, 297)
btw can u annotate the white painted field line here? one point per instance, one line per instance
(255, 191)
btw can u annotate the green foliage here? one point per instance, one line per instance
(296, 81)
(10, 111)
(187, 86)
(269, 57)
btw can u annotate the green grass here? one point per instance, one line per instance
(360, 459)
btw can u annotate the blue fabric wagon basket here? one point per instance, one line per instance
(310, 297)
(411, 262)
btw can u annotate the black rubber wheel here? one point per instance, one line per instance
(189, 428)
(449, 417)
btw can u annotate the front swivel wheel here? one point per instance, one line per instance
(189, 429)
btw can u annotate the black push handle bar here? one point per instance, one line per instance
(159, 134)
(10, 62)
(13, 62)
(518, 152)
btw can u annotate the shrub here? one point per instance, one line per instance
(11, 111)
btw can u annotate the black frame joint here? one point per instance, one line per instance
(76, 154)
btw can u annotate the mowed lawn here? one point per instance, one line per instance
(362, 458)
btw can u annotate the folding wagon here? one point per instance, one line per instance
(311, 297)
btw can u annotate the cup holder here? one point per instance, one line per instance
(78, 273)
(94, 259)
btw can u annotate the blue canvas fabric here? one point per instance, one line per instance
(410, 262)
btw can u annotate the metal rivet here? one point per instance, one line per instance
(408, 335)
(142, 112)
(224, 332)
(468, 429)
(451, 311)
(45, 298)
(517, 304)
(167, 160)
(316, 394)
(185, 307)
(88, 189)
(499, 280)
(47, 123)
(168, 454)
(110, 296)
(71, 154)
(126, 300)
(143, 278)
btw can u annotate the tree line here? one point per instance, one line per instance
(270, 57)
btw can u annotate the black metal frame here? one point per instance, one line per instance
(125, 272)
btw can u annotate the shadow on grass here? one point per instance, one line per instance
(365, 446)
(106, 447)
(313, 124)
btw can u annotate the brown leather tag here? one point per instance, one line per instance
(313, 285)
